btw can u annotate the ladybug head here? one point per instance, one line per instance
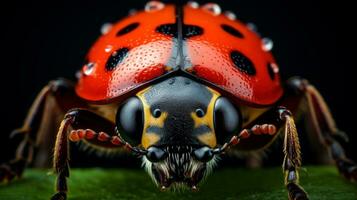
(178, 122)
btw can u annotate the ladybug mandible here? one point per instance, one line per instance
(178, 85)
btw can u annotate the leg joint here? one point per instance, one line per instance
(297, 84)
(291, 176)
(283, 113)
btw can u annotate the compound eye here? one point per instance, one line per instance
(130, 120)
(227, 120)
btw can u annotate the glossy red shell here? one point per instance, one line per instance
(209, 56)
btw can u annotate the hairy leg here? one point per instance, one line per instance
(62, 92)
(292, 157)
(264, 130)
(99, 131)
(324, 126)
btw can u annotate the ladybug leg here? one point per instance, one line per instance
(103, 140)
(324, 126)
(87, 125)
(257, 134)
(15, 167)
(279, 117)
(263, 129)
(27, 137)
(292, 157)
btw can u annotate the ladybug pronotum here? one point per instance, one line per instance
(177, 85)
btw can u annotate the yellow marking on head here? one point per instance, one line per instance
(149, 139)
(208, 138)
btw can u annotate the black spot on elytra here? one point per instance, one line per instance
(127, 29)
(168, 29)
(232, 31)
(187, 30)
(191, 30)
(243, 63)
(271, 71)
(116, 58)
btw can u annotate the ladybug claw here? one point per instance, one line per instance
(348, 169)
(163, 188)
(12, 169)
(353, 176)
(6, 173)
(194, 188)
(296, 192)
(59, 196)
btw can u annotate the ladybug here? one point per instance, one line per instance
(178, 86)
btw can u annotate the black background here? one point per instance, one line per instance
(42, 42)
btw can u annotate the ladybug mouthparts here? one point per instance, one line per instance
(181, 166)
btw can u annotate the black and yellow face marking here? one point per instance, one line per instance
(207, 120)
(149, 136)
(178, 111)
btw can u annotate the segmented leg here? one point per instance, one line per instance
(74, 119)
(324, 126)
(80, 124)
(15, 167)
(264, 129)
(27, 134)
(60, 161)
(292, 157)
(102, 138)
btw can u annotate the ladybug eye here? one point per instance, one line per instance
(129, 120)
(227, 120)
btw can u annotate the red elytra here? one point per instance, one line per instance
(208, 55)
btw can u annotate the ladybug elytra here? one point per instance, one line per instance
(179, 85)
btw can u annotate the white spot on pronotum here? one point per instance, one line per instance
(106, 28)
(213, 8)
(230, 15)
(267, 44)
(152, 6)
(88, 69)
(108, 48)
(274, 67)
(193, 4)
